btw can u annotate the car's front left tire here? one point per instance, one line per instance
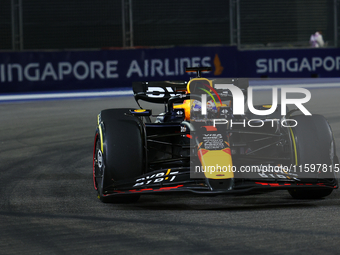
(118, 153)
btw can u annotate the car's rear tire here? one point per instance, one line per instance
(314, 144)
(118, 154)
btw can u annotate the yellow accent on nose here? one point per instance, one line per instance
(217, 165)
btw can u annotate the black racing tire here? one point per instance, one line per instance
(99, 178)
(314, 145)
(118, 154)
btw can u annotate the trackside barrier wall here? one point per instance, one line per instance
(79, 70)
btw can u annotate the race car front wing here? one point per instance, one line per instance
(178, 180)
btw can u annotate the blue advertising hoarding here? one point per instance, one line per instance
(77, 70)
(299, 63)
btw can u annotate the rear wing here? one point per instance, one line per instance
(161, 91)
(158, 91)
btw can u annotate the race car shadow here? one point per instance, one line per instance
(224, 208)
(226, 203)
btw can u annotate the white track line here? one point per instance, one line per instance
(65, 95)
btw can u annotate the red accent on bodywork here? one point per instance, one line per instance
(218, 96)
(168, 188)
(134, 190)
(262, 183)
(201, 152)
(227, 150)
(210, 128)
(288, 184)
(117, 191)
(271, 184)
(150, 189)
(274, 184)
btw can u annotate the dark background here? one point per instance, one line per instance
(70, 24)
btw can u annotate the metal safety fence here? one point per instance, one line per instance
(65, 24)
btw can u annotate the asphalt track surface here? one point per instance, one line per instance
(48, 204)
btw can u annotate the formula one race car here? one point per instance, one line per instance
(207, 141)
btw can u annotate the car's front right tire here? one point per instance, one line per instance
(314, 145)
